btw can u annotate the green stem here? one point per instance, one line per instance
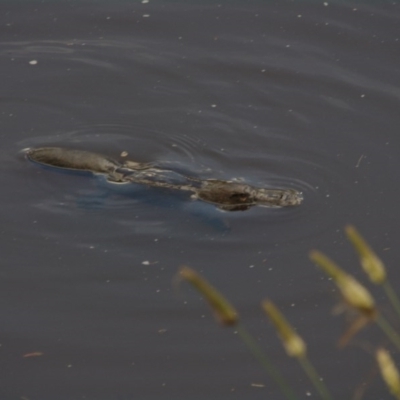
(389, 331)
(391, 294)
(259, 354)
(315, 378)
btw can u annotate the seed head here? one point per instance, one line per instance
(223, 310)
(293, 343)
(389, 372)
(371, 263)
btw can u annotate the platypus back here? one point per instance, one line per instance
(72, 159)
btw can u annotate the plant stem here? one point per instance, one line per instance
(391, 294)
(260, 355)
(315, 378)
(389, 331)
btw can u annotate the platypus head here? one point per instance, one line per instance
(277, 197)
(236, 196)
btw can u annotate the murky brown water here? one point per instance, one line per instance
(297, 94)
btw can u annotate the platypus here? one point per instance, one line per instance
(227, 195)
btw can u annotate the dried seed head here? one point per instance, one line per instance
(353, 292)
(223, 310)
(389, 372)
(370, 262)
(293, 343)
(356, 295)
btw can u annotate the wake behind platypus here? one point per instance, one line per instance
(227, 195)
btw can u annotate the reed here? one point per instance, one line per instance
(295, 347)
(353, 293)
(373, 266)
(227, 315)
(389, 371)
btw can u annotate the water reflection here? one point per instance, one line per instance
(293, 94)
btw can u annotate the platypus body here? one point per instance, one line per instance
(227, 195)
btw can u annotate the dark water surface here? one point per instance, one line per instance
(294, 94)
